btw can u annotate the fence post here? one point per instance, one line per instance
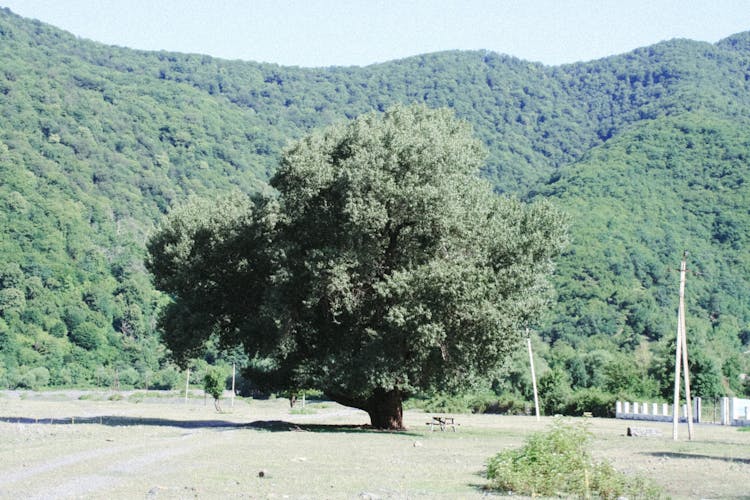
(724, 411)
(697, 409)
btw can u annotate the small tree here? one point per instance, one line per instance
(706, 375)
(385, 266)
(213, 384)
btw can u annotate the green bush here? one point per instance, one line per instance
(507, 405)
(554, 391)
(104, 376)
(484, 402)
(557, 463)
(595, 401)
(129, 377)
(442, 403)
(167, 378)
(34, 379)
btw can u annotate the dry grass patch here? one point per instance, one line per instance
(163, 447)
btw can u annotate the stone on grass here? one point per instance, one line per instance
(643, 432)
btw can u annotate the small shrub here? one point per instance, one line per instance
(34, 379)
(92, 396)
(505, 406)
(470, 403)
(554, 391)
(302, 411)
(595, 401)
(129, 377)
(557, 463)
(104, 376)
(141, 396)
(167, 378)
(443, 403)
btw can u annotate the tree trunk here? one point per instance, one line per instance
(384, 408)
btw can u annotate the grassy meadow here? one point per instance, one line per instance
(156, 445)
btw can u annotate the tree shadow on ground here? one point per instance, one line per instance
(284, 426)
(120, 421)
(669, 454)
(265, 425)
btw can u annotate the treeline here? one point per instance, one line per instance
(646, 151)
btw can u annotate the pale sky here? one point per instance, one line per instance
(315, 33)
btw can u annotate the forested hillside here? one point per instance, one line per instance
(648, 152)
(669, 184)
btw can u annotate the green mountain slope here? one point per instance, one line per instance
(97, 142)
(89, 159)
(671, 184)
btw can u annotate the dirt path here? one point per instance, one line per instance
(70, 475)
(55, 445)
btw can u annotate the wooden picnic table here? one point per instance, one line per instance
(442, 422)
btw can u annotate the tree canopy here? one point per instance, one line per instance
(385, 265)
(646, 151)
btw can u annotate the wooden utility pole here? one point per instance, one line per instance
(187, 384)
(681, 357)
(233, 373)
(685, 366)
(533, 374)
(677, 361)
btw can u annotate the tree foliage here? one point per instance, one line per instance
(213, 385)
(646, 151)
(385, 267)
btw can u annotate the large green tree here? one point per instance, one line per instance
(384, 266)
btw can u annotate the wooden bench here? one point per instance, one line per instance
(442, 422)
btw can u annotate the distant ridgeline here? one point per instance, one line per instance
(648, 152)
